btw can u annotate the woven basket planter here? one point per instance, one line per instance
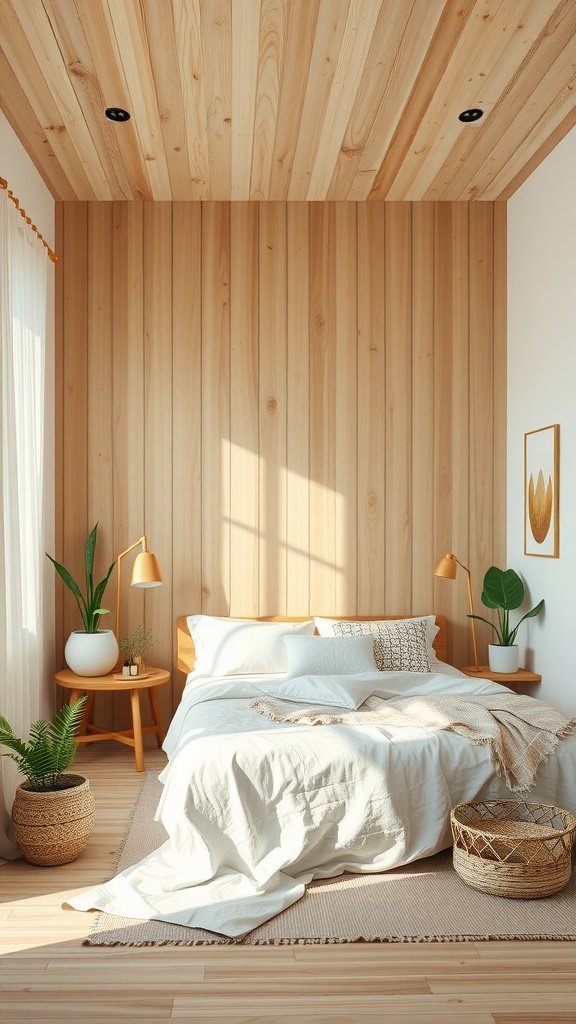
(53, 828)
(513, 848)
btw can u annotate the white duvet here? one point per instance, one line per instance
(255, 809)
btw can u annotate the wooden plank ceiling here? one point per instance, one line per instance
(288, 99)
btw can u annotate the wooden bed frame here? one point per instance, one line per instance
(187, 656)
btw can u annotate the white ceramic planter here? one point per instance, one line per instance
(503, 659)
(91, 654)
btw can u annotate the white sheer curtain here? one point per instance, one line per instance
(23, 284)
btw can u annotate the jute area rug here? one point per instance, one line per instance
(423, 902)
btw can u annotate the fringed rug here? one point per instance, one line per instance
(423, 902)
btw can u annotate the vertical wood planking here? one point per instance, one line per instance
(481, 458)
(298, 410)
(216, 408)
(460, 315)
(99, 458)
(499, 387)
(371, 408)
(346, 406)
(302, 405)
(244, 417)
(398, 332)
(424, 556)
(99, 383)
(158, 373)
(272, 407)
(323, 569)
(186, 417)
(59, 424)
(442, 498)
(75, 398)
(128, 405)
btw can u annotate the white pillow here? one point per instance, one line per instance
(229, 647)
(325, 627)
(345, 692)
(329, 655)
(398, 646)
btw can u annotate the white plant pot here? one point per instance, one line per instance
(503, 659)
(91, 654)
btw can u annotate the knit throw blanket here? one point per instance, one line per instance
(520, 731)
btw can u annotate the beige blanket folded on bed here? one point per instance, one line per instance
(520, 731)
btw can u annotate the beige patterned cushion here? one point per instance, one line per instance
(398, 646)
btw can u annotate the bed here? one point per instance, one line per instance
(256, 808)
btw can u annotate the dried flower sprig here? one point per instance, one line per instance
(136, 643)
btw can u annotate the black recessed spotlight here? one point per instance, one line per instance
(471, 115)
(117, 114)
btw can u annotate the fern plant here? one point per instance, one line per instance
(49, 750)
(89, 605)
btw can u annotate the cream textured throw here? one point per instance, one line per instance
(520, 731)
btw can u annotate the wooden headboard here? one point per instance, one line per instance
(187, 656)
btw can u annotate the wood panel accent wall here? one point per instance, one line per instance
(301, 404)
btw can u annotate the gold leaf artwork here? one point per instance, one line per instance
(540, 506)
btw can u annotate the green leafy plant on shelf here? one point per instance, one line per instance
(90, 604)
(49, 750)
(503, 591)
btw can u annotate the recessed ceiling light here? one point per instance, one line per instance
(471, 115)
(117, 114)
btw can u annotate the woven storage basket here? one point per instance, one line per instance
(513, 848)
(53, 828)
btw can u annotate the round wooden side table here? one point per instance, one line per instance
(91, 685)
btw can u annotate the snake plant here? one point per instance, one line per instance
(88, 605)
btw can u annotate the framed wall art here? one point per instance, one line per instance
(541, 472)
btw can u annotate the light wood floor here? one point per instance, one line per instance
(47, 975)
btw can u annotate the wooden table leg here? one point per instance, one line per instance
(160, 734)
(137, 727)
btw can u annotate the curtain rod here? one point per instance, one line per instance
(14, 199)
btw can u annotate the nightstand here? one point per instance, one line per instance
(506, 678)
(91, 685)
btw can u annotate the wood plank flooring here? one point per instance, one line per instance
(47, 975)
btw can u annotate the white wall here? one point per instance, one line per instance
(542, 390)
(23, 178)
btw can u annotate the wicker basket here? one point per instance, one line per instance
(513, 848)
(53, 828)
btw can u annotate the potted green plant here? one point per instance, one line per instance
(503, 590)
(53, 812)
(90, 651)
(134, 647)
